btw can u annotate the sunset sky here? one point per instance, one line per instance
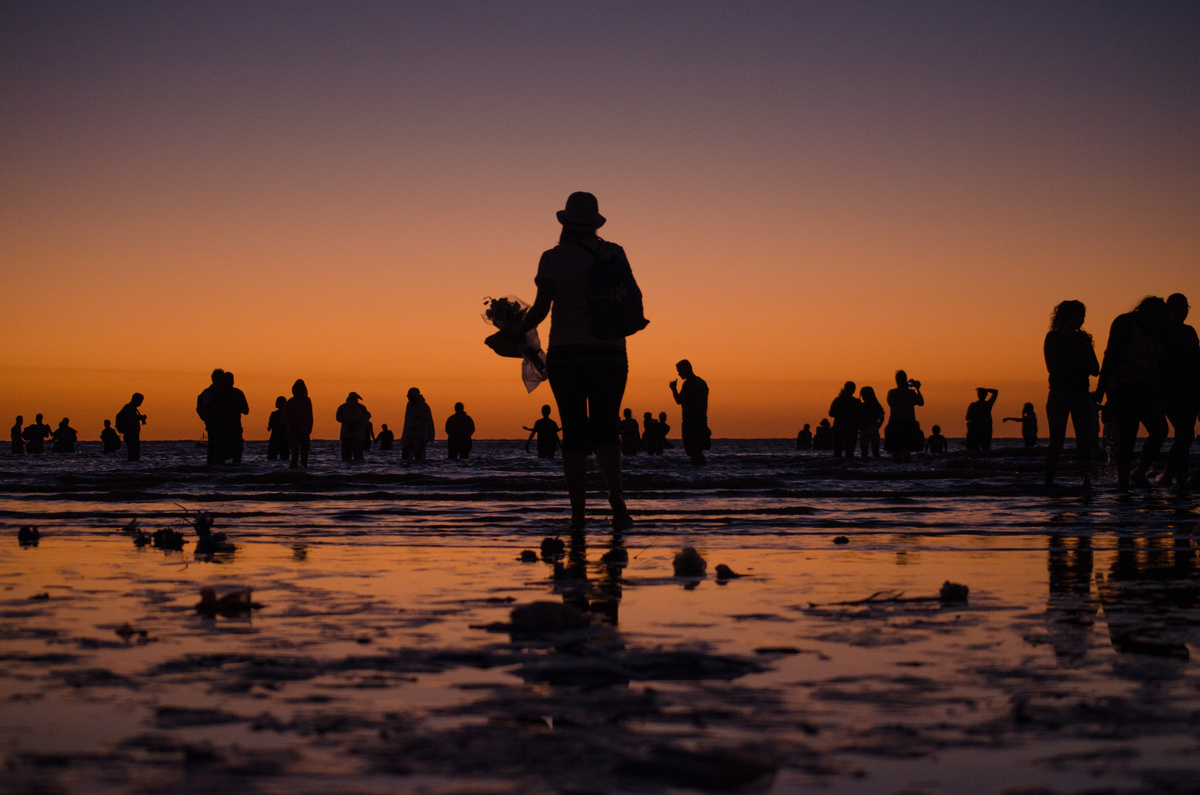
(808, 193)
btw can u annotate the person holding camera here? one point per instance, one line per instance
(903, 433)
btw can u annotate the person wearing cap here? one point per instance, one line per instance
(353, 416)
(418, 427)
(587, 374)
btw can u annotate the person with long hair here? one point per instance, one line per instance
(1070, 362)
(298, 420)
(587, 373)
(870, 422)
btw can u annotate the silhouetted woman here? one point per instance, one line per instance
(587, 373)
(846, 411)
(870, 422)
(298, 420)
(1029, 425)
(1070, 361)
(277, 442)
(903, 434)
(1130, 378)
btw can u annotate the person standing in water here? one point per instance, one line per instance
(587, 372)
(903, 434)
(298, 420)
(459, 430)
(110, 438)
(18, 442)
(546, 431)
(979, 420)
(692, 398)
(1071, 362)
(129, 424)
(1029, 425)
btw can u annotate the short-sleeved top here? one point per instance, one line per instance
(566, 265)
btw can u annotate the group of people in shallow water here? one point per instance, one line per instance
(32, 438)
(290, 425)
(857, 422)
(1149, 377)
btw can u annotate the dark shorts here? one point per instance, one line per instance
(588, 383)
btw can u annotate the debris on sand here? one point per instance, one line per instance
(841, 540)
(688, 563)
(543, 618)
(953, 592)
(745, 769)
(131, 527)
(553, 547)
(28, 535)
(234, 603)
(207, 541)
(167, 538)
(528, 556)
(726, 573)
(127, 632)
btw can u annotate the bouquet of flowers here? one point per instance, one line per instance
(507, 313)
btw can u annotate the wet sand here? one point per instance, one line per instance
(382, 667)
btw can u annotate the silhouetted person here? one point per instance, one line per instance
(386, 438)
(546, 431)
(903, 434)
(1131, 380)
(1070, 362)
(18, 441)
(353, 416)
(1181, 386)
(298, 421)
(204, 402)
(871, 420)
(110, 438)
(459, 430)
(35, 436)
(64, 437)
(846, 411)
(631, 436)
(129, 422)
(692, 398)
(654, 433)
(418, 429)
(228, 404)
(979, 419)
(823, 437)
(587, 372)
(1029, 425)
(277, 444)
(663, 430)
(936, 443)
(804, 439)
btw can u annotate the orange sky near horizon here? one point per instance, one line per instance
(807, 195)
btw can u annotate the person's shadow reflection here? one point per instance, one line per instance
(1150, 590)
(601, 597)
(1071, 607)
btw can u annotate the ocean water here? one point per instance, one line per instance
(763, 489)
(379, 655)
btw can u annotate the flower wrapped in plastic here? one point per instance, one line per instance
(505, 314)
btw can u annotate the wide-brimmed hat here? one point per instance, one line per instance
(354, 396)
(582, 212)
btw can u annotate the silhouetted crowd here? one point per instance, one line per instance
(1149, 378)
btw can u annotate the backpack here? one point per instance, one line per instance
(614, 301)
